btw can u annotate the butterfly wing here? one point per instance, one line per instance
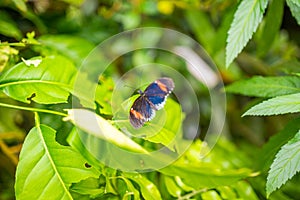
(140, 112)
(158, 91)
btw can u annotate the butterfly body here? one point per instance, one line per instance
(149, 101)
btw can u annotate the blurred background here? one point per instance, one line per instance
(74, 27)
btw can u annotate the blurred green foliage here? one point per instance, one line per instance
(43, 44)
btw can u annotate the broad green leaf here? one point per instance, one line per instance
(20, 4)
(90, 187)
(295, 9)
(130, 189)
(271, 26)
(269, 150)
(8, 27)
(95, 125)
(148, 189)
(244, 190)
(227, 192)
(162, 129)
(285, 165)
(201, 176)
(172, 187)
(75, 142)
(277, 105)
(74, 48)
(47, 169)
(104, 94)
(259, 86)
(212, 194)
(47, 83)
(171, 128)
(246, 20)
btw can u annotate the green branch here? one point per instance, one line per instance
(33, 109)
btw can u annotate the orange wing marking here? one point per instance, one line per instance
(162, 86)
(136, 114)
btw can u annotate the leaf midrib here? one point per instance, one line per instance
(51, 161)
(35, 81)
(284, 166)
(246, 20)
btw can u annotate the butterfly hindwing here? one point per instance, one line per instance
(140, 112)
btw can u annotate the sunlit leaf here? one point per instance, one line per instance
(50, 82)
(148, 189)
(47, 169)
(131, 190)
(94, 124)
(103, 95)
(277, 105)
(259, 86)
(90, 187)
(246, 20)
(227, 192)
(285, 165)
(210, 195)
(162, 129)
(199, 176)
(172, 187)
(295, 9)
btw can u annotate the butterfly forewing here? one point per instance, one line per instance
(158, 91)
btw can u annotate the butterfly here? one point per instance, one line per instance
(152, 99)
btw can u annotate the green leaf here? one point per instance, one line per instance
(72, 47)
(20, 4)
(269, 150)
(199, 21)
(8, 27)
(75, 142)
(172, 125)
(244, 190)
(103, 95)
(275, 106)
(227, 192)
(148, 189)
(199, 176)
(295, 9)
(210, 195)
(47, 83)
(172, 187)
(162, 129)
(131, 190)
(90, 186)
(100, 128)
(285, 165)
(271, 26)
(259, 86)
(47, 169)
(246, 20)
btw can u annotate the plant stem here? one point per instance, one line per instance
(33, 109)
